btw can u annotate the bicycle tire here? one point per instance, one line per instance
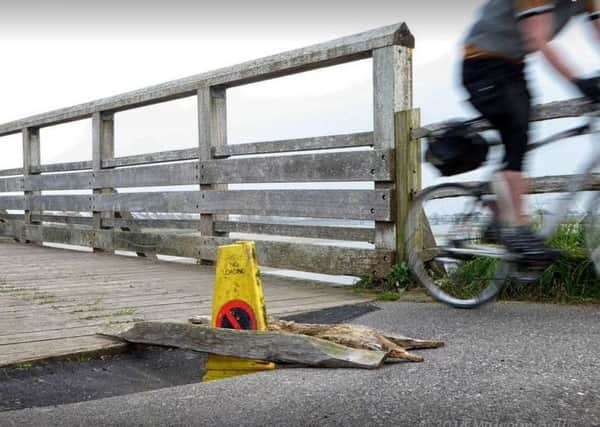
(435, 272)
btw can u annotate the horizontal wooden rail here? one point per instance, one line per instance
(11, 172)
(62, 167)
(363, 139)
(58, 219)
(347, 166)
(351, 166)
(51, 167)
(358, 234)
(304, 257)
(341, 204)
(338, 51)
(148, 158)
(550, 111)
(342, 233)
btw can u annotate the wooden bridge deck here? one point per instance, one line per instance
(53, 301)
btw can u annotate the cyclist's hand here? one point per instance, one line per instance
(590, 88)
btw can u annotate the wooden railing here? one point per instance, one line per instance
(119, 221)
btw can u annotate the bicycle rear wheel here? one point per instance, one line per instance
(445, 249)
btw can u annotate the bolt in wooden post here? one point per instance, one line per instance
(103, 148)
(392, 92)
(31, 158)
(212, 132)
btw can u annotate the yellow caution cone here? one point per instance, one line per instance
(238, 303)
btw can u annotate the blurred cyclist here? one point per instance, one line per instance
(493, 74)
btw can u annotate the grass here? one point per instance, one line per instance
(572, 278)
(391, 287)
(23, 366)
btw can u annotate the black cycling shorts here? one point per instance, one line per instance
(498, 90)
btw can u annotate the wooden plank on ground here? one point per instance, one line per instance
(276, 347)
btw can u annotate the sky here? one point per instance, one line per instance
(61, 53)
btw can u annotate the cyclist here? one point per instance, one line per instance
(493, 74)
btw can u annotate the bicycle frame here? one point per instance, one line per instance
(572, 190)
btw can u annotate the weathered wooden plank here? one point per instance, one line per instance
(364, 139)
(12, 203)
(62, 181)
(62, 167)
(342, 204)
(144, 176)
(349, 166)
(74, 203)
(338, 51)
(361, 234)
(31, 158)
(287, 255)
(212, 132)
(392, 92)
(408, 174)
(325, 259)
(549, 111)
(158, 157)
(11, 172)
(11, 184)
(60, 219)
(273, 346)
(142, 223)
(37, 233)
(103, 147)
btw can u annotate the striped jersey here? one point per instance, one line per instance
(496, 32)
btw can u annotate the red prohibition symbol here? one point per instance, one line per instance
(236, 314)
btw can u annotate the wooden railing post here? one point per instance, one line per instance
(408, 174)
(212, 132)
(31, 158)
(392, 93)
(103, 147)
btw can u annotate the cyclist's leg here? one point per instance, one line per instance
(498, 90)
(514, 132)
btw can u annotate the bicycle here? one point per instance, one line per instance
(459, 267)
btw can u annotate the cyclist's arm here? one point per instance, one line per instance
(537, 26)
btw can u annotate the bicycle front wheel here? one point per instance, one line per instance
(446, 250)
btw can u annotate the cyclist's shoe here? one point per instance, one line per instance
(527, 246)
(491, 233)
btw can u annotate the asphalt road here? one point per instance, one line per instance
(504, 364)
